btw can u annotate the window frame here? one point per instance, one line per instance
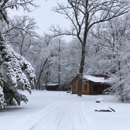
(95, 88)
(85, 87)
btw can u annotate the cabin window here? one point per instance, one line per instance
(85, 87)
(94, 88)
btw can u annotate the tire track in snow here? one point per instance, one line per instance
(30, 121)
(47, 115)
(85, 118)
(63, 116)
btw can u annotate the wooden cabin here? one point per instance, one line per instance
(51, 86)
(91, 84)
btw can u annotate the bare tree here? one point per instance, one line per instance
(59, 64)
(45, 60)
(17, 4)
(83, 15)
(21, 33)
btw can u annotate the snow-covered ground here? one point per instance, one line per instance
(47, 110)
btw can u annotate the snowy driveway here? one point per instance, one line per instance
(59, 116)
(62, 111)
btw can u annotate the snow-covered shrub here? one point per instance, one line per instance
(1, 97)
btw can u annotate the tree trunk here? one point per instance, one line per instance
(121, 85)
(81, 68)
(40, 74)
(46, 80)
(59, 69)
(83, 51)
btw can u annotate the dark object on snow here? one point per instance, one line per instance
(112, 109)
(69, 91)
(10, 93)
(106, 110)
(99, 100)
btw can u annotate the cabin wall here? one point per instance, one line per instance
(85, 88)
(75, 87)
(97, 88)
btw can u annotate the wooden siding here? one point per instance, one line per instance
(100, 87)
(83, 88)
(75, 87)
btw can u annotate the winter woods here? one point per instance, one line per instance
(84, 15)
(114, 56)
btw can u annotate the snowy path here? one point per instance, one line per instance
(63, 116)
(59, 116)
(61, 111)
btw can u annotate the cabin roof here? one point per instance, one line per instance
(51, 84)
(95, 79)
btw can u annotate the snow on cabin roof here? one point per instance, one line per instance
(95, 79)
(51, 84)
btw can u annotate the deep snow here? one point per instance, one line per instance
(47, 110)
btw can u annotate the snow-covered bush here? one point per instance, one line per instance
(1, 97)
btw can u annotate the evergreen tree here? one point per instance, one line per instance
(16, 69)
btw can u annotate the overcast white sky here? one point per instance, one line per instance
(44, 15)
